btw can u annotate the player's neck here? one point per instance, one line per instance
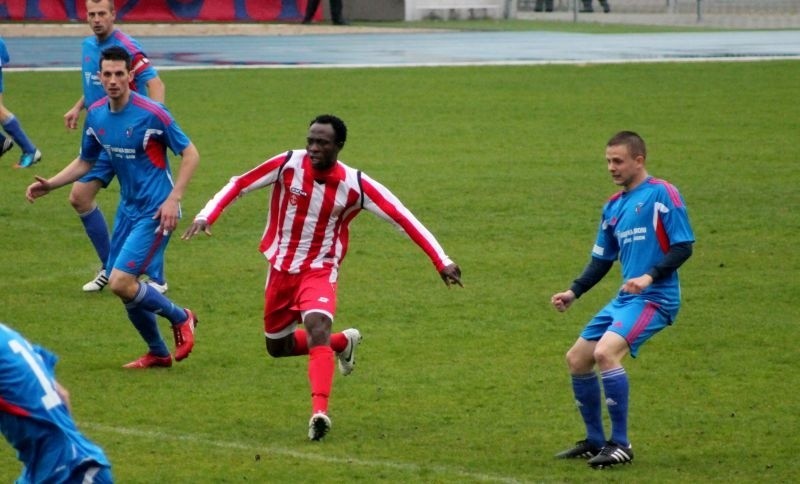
(636, 181)
(118, 104)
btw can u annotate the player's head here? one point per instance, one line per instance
(632, 141)
(339, 128)
(115, 72)
(326, 137)
(101, 15)
(625, 155)
(116, 53)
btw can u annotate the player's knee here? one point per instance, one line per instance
(578, 361)
(605, 357)
(81, 201)
(278, 348)
(123, 286)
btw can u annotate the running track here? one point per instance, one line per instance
(424, 49)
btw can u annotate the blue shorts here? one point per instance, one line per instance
(636, 320)
(137, 247)
(101, 170)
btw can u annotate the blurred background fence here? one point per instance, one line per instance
(756, 14)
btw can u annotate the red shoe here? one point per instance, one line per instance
(150, 360)
(184, 336)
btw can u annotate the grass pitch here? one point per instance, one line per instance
(505, 165)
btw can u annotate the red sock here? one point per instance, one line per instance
(300, 343)
(338, 342)
(320, 376)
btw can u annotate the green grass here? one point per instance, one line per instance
(505, 165)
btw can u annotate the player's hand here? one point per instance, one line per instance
(197, 226)
(167, 215)
(562, 300)
(64, 394)
(37, 189)
(71, 118)
(637, 284)
(451, 275)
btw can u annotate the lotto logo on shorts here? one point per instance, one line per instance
(323, 299)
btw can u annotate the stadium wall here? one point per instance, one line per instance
(158, 10)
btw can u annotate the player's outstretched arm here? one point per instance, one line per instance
(199, 225)
(69, 174)
(451, 275)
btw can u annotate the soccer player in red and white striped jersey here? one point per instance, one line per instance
(314, 198)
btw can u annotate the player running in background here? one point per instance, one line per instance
(647, 228)
(101, 15)
(135, 132)
(11, 125)
(35, 418)
(314, 198)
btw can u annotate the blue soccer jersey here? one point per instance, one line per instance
(34, 418)
(91, 49)
(4, 58)
(136, 141)
(638, 227)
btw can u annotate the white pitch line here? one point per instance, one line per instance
(312, 456)
(653, 60)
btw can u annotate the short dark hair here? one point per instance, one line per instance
(633, 141)
(339, 128)
(110, 3)
(116, 53)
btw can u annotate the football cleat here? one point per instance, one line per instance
(150, 360)
(184, 336)
(611, 454)
(98, 283)
(161, 288)
(29, 159)
(318, 426)
(583, 450)
(347, 358)
(7, 145)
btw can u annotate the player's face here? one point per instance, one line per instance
(115, 77)
(626, 170)
(101, 18)
(321, 146)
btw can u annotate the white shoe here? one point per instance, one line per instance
(347, 358)
(318, 426)
(158, 287)
(7, 145)
(98, 283)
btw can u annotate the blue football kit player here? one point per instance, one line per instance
(35, 418)
(647, 228)
(135, 132)
(101, 15)
(11, 124)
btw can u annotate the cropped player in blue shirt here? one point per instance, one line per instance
(11, 125)
(101, 15)
(35, 418)
(135, 132)
(647, 228)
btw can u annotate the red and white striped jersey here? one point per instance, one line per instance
(310, 211)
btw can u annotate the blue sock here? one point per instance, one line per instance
(13, 128)
(587, 397)
(151, 300)
(96, 228)
(145, 323)
(615, 385)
